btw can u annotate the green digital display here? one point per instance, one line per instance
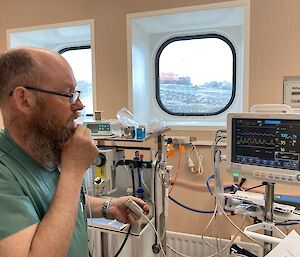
(95, 128)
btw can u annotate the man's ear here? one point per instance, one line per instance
(24, 100)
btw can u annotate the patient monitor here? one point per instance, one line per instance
(264, 146)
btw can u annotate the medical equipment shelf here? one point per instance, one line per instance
(106, 229)
(144, 235)
(121, 139)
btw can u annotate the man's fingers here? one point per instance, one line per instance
(141, 203)
(84, 132)
(79, 127)
(146, 209)
(131, 217)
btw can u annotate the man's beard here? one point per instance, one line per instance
(46, 136)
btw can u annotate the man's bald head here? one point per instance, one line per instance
(42, 123)
(25, 66)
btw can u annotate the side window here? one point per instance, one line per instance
(195, 75)
(80, 59)
(189, 67)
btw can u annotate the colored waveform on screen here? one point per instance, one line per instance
(254, 141)
(255, 134)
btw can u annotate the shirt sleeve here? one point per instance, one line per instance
(16, 211)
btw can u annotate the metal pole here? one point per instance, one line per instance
(162, 219)
(269, 202)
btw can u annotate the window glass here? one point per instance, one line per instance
(80, 59)
(195, 75)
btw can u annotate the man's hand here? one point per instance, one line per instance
(119, 211)
(80, 151)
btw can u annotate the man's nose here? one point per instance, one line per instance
(77, 106)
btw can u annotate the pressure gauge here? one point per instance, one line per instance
(100, 160)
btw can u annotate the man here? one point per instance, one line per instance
(43, 158)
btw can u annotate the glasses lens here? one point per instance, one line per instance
(75, 96)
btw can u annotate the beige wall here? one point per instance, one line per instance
(110, 34)
(274, 53)
(274, 48)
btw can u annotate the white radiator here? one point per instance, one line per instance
(193, 245)
(188, 244)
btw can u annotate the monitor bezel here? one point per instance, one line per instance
(256, 172)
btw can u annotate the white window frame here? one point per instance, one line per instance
(21, 37)
(144, 42)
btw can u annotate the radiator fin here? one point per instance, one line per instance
(194, 246)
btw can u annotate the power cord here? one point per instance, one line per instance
(191, 164)
(124, 242)
(126, 238)
(189, 208)
(251, 188)
(159, 240)
(135, 208)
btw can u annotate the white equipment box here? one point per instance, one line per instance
(259, 199)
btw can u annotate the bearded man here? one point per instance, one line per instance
(43, 158)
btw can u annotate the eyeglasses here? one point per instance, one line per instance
(74, 96)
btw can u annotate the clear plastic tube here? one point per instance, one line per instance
(219, 187)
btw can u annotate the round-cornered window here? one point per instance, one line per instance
(195, 75)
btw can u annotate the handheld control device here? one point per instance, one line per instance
(135, 208)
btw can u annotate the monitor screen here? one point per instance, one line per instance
(264, 146)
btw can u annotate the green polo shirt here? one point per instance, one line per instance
(26, 191)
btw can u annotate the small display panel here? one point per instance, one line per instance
(266, 142)
(95, 128)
